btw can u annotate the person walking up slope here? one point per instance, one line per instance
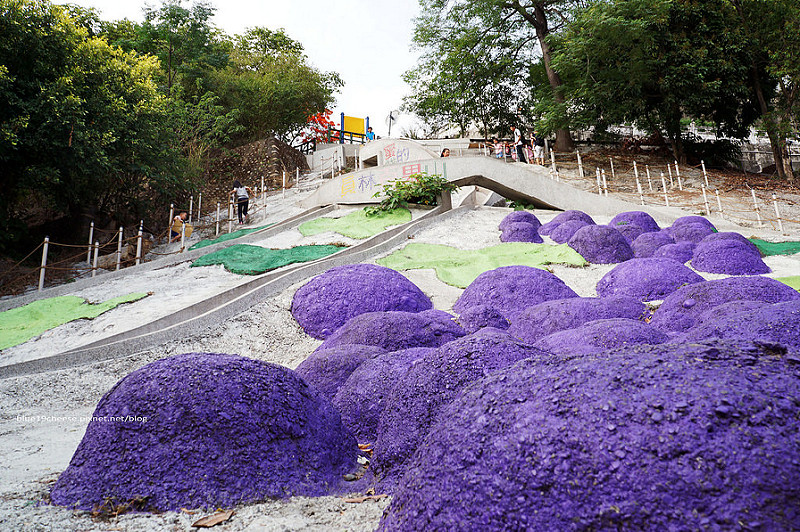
(242, 196)
(519, 144)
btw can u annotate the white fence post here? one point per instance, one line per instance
(89, 249)
(230, 215)
(216, 233)
(664, 184)
(96, 255)
(719, 203)
(171, 216)
(705, 174)
(44, 262)
(613, 174)
(599, 183)
(262, 187)
(678, 175)
(119, 248)
(605, 183)
(284, 184)
(755, 207)
(139, 243)
(705, 200)
(191, 207)
(580, 165)
(199, 205)
(777, 212)
(671, 182)
(649, 182)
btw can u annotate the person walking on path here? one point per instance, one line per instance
(178, 224)
(538, 148)
(242, 195)
(519, 144)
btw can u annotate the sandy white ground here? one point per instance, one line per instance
(43, 417)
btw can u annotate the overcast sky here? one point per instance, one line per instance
(366, 41)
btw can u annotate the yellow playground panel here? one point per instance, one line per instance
(354, 125)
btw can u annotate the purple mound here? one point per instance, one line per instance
(362, 398)
(681, 309)
(646, 279)
(774, 326)
(680, 251)
(730, 235)
(692, 232)
(327, 301)
(511, 289)
(519, 216)
(599, 335)
(520, 232)
(683, 220)
(629, 231)
(725, 311)
(645, 245)
(600, 244)
(327, 369)
(728, 255)
(565, 216)
(549, 317)
(207, 430)
(393, 331)
(686, 437)
(563, 232)
(640, 218)
(481, 316)
(431, 383)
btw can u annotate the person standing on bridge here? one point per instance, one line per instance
(519, 144)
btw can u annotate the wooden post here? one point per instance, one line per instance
(705, 174)
(139, 243)
(216, 233)
(678, 175)
(605, 183)
(119, 248)
(171, 216)
(719, 203)
(664, 184)
(191, 207)
(705, 200)
(580, 165)
(44, 262)
(755, 207)
(649, 182)
(777, 212)
(599, 183)
(89, 250)
(96, 254)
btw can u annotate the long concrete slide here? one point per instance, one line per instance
(212, 311)
(514, 181)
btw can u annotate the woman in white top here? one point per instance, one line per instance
(242, 196)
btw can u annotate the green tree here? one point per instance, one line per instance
(477, 60)
(773, 27)
(654, 62)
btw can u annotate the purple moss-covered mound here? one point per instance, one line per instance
(599, 335)
(520, 216)
(431, 384)
(362, 398)
(692, 232)
(727, 255)
(640, 218)
(646, 279)
(396, 330)
(327, 301)
(481, 316)
(681, 309)
(775, 326)
(725, 311)
(510, 289)
(207, 430)
(549, 317)
(327, 369)
(730, 235)
(521, 232)
(600, 244)
(563, 232)
(683, 220)
(629, 231)
(680, 251)
(565, 216)
(645, 245)
(686, 437)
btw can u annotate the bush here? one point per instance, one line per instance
(418, 188)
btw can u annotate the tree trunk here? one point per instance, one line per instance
(538, 19)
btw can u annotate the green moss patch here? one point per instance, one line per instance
(356, 224)
(226, 237)
(459, 267)
(245, 259)
(20, 324)
(793, 281)
(775, 248)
